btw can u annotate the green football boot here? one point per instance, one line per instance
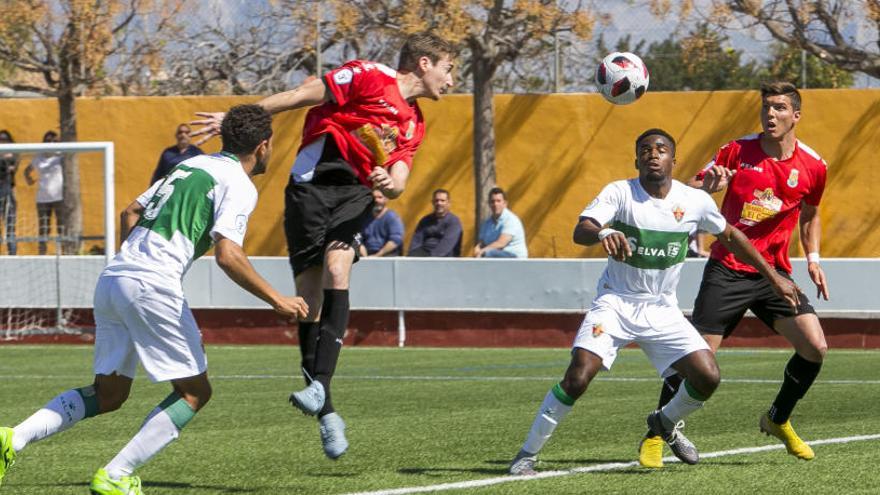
(7, 455)
(102, 484)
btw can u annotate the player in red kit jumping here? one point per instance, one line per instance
(361, 134)
(774, 182)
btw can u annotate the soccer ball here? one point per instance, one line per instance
(622, 78)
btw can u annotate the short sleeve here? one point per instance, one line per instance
(605, 206)
(145, 197)
(346, 83)
(711, 219)
(817, 188)
(233, 205)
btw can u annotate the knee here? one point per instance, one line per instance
(576, 381)
(820, 350)
(707, 381)
(197, 399)
(337, 272)
(110, 399)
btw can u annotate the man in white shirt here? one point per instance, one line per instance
(50, 191)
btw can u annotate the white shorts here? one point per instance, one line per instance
(137, 320)
(660, 330)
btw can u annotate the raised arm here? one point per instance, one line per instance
(129, 219)
(309, 93)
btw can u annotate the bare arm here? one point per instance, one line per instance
(129, 219)
(811, 234)
(309, 93)
(387, 248)
(28, 174)
(588, 232)
(738, 244)
(392, 181)
(232, 259)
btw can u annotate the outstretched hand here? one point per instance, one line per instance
(211, 125)
(717, 178)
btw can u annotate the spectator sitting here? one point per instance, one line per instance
(437, 234)
(175, 154)
(8, 167)
(50, 190)
(502, 234)
(383, 234)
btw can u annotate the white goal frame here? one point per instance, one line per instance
(106, 147)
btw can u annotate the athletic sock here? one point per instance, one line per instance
(798, 378)
(161, 427)
(554, 408)
(334, 320)
(308, 344)
(685, 401)
(61, 413)
(670, 387)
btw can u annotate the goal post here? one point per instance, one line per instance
(105, 147)
(45, 294)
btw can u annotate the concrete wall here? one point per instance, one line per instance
(554, 153)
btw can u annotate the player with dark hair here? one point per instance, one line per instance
(140, 311)
(774, 182)
(643, 224)
(361, 134)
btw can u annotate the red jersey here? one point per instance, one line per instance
(370, 121)
(763, 199)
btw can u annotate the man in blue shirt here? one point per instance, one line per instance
(176, 154)
(383, 234)
(502, 234)
(438, 234)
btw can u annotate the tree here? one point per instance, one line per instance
(828, 30)
(72, 47)
(786, 64)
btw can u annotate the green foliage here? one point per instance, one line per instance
(420, 417)
(703, 60)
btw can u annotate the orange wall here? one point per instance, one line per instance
(554, 153)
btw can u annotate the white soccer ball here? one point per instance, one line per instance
(622, 78)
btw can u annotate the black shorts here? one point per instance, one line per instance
(333, 207)
(726, 294)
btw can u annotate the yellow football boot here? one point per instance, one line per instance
(793, 443)
(651, 451)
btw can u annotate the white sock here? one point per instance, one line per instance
(681, 405)
(62, 412)
(156, 433)
(551, 413)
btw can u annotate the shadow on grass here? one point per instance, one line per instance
(184, 487)
(444, 471)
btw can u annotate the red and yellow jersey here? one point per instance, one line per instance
(764, 198)
(370, 121)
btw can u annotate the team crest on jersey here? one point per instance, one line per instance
(597, 330)
(678, 212)
(343, 76)
(410, 130)
(793, 178)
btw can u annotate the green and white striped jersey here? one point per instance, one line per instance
(657, 231)
(202, 198)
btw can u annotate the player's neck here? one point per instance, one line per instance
(779, 149)
(410, 86)
(657, 190)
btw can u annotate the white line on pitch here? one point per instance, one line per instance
(454, 378)
(611, 466)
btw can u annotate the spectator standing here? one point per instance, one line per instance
(502, 234)
(383, 233)
(176, 154)
(437, 234)
(50, 193)
(8, 167)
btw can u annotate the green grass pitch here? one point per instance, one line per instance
(424, 417)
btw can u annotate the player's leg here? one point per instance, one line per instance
(802, 329)
(115, 363)
(595, 347)
(309, 287)
(162, 426)
(169, 346)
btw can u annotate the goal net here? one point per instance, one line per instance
(43, 290)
